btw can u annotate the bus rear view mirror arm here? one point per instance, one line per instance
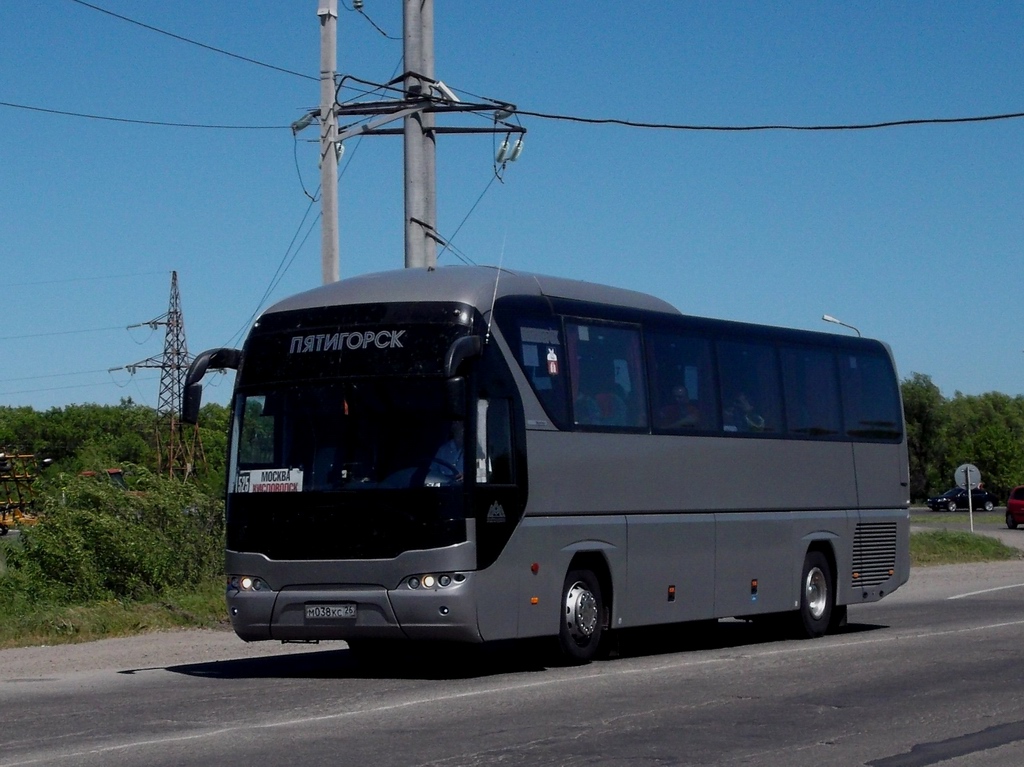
(218, 359)
(461, 350)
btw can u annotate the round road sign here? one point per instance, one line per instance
(967, 476)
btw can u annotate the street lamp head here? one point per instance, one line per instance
(304, 122)
(446, 93)
(834, 321)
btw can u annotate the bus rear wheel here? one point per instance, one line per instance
(817, 595)
(581, 625)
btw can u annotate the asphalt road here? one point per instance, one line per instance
(931, 675)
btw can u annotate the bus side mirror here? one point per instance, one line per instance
(218, 359)
(192, 399)
(456, 399)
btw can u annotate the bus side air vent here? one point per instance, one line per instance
(874, 553)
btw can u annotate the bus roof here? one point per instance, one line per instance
(473, 285)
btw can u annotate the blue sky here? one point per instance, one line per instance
(912, 234)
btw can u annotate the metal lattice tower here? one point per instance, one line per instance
(180, 449)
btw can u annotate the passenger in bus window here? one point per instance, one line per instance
(586, 410)
(680, 412)
(740, 415)
(612, 409)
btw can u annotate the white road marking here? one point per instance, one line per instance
(986, 591)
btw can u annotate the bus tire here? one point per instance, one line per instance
(817, 595)
(580, 625)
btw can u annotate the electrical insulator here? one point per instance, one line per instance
(357, 4)
(502, 152)
(516, 150)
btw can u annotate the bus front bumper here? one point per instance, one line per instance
(324, 612)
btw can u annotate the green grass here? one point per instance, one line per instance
(24, 626)
(926, 517)
(951, 547)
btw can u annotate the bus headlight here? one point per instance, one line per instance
(246, 583)
(431, 581)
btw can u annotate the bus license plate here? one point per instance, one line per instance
(345, 611)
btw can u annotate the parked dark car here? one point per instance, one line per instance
(1015, 508)
(954, 499)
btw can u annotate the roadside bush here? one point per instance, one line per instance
(98, 541)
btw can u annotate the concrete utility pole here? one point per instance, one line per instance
(418, 131)
(423, 97)
(328, 13)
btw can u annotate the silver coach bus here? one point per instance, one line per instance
(473, 454)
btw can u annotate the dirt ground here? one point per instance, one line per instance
(157, 650)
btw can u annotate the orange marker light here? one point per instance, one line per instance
(534, 601)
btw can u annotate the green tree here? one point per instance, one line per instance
(926, 417)
(988, 431)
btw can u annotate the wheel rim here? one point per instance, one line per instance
(816, 592)
(952, 505)
(989, 506)
(580, 612)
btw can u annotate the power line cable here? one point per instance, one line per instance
(448, 242)
(773, 127)
(279, 273)
(83, 279)
(133, 121)
(195, 42)
(54, 375)
(60, 333)
(75, 386)
(357, 7)
(571, 118)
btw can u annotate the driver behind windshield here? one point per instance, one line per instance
(450, 455)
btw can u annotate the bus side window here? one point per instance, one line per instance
(682, 394)
(871, 408)
(811, 392)
(749, 382)
(494, 442)
(542, 358)
(606, 375)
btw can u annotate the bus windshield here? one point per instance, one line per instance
(351, 435)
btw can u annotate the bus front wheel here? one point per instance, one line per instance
(817, 595)
(580, 627)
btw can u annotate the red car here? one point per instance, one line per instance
(1015, 508)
